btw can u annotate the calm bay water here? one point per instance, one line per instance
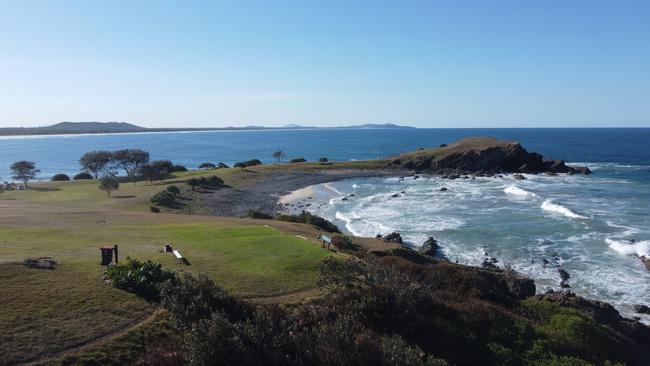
(584, 224)
(60, 154)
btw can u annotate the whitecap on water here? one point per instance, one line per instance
(518, 192)
(549, 205)
(625, 247)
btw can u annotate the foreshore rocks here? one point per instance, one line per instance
(429, 247)
(393, 238)
(642, 309)
(481, 155)
(646, 262)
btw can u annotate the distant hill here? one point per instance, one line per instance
(71, 128)
(67, 128)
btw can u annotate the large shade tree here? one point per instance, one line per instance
(96, 162)
(130, 160)
(24, 171)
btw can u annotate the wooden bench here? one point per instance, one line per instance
(178, 254)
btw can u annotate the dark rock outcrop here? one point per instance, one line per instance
(393, 238)
(521, 287)
(642, 309)
(429, 247)
(481, 155)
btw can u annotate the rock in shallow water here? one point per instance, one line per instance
(393, 238)
(429, 247)
(642, 309)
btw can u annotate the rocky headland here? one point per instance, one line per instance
(482, 156)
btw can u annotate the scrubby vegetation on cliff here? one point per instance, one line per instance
(392, 311)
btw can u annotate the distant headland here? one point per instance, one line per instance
(74, 128)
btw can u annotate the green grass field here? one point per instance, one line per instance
(46, 312)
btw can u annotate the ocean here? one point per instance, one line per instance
(592, 226)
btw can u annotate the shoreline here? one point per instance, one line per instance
(267, 192)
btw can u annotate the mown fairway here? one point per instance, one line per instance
(44, 312)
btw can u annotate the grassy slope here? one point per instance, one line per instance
(45, 311)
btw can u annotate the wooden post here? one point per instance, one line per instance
(115, 249)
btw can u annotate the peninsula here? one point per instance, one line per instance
(73, 128)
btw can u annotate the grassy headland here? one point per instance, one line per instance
(388, 303)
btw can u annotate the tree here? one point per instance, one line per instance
(24, 171)
(109, 183)
(156, 170)
(96, 162)
(162, 169)
(130, 160)
(279, 156)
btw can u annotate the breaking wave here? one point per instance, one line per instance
(549, 205)
(640, 248)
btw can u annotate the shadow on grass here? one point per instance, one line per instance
(127, 196)
(43, 189)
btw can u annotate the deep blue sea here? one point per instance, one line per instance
(595, 226)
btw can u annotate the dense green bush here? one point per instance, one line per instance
(190, 299)
(163, 198)
(209, 182)
(83, 176)
(323, 160)
(207, 166)
(307, 218)
(247, 163)
(298, 160)
(254, 214)
(391, 311)
(173, 190)
(60, 178)
(178, 168)
(141, 278)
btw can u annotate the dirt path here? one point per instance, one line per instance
(98, 340)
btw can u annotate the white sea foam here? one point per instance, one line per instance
(640, 248)
(332, 188)
(549, 205)
(519, 192)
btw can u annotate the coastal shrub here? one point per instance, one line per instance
(156, 170)
(83, 176)
(298, 160)
(323, 160)
(190, 299)
(207, 166)
(154, 209)
(193, 182)
(141, 278)
(342, 242)
(163, 198)
(222, 165)
(178, 168)
(173, 190)
(390, 311)
(254, 214)
(247, 163)
(308, 218)
(60, 178)
(213, 181)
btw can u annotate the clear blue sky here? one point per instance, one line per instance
(477, 63)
